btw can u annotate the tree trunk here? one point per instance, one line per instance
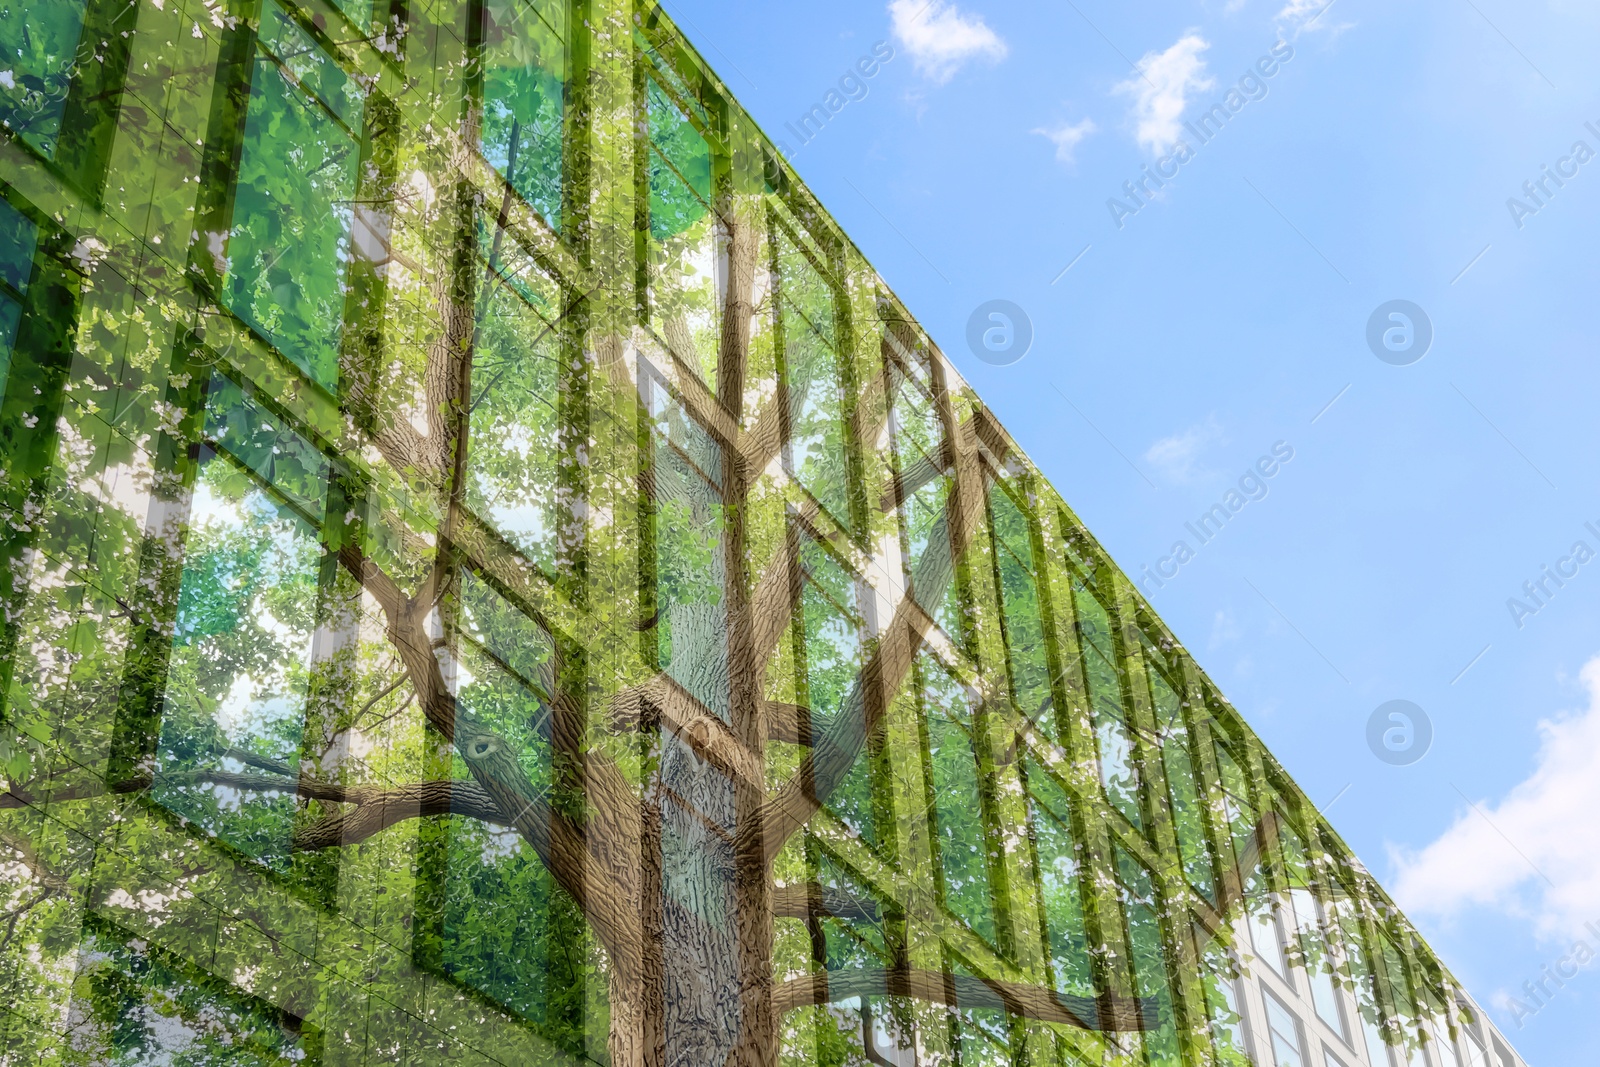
(699, 927)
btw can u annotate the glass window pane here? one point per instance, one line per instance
(916, 437)
(833, 633)
(1399, 979)
(10, 316)
(240, 669)
(524, 87)
(1242, 821)
(1188, 809)
(1267, 937)
(1151, 977)
(19, 237)
(1284, 1030)
(854, 942)
(38, 48)
(980, 1034)
(1227, 1020)
(1367, 1005)
(1118, 771)
(830, 655)
(289, 242)
(686, 294)
(509, 931)
(958, 799)
(494, 918)
(817, 455)
(1059, 889)
(512, 459)
(917, 432)
(134, 1005)
(262, 442)
(309, 67)
(1319, 962)
(357, 11)
(1326, 997)
(1444, 1049)
(687, 253)
(679, 166)
(692, 621)
(1024, 621)
(925, 514)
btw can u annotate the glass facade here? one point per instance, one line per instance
(490, 575)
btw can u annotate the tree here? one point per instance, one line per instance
(516, 541)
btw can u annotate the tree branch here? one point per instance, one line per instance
(810, 900)
(861, 715)
(794, 724)
(379, 809)
(1105, 1014)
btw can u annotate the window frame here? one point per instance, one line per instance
(1270, 1001)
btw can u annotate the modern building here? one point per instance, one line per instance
(492, 576)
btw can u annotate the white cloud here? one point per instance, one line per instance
(1067, 137)
(1161, 90)
(1177, 457)
(1298, 16)
(1537, 851)
(1224, 631)
(940, 38)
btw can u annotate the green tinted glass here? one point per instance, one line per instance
(524, 99)
(289, 243)
(958, 800)
(39, 47)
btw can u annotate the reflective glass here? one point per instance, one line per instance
(692, 624)
(241, 667)
(290, 239)
(1061, 890)
(1188, 806)
(1152, 977)
(524, 98)
(19, 237)
(924, 486)
(134, 1005)
(1284, 1029)
(1024, 619)
(817, 452)
(512, 456)
(958, 813)
(39, 43)
(1118, 771)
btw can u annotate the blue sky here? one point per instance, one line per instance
(1225, 315)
